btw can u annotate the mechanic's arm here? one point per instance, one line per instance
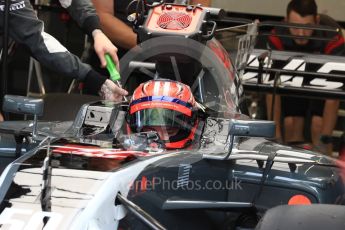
(331, 107)
(329, 117)
(276, 117)
(27, 29)
(118, 32)
(329, 120)
(83, 12)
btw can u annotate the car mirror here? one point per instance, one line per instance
(224, 132)
(23, 105)
(252, 128)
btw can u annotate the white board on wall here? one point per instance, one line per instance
(334, 8)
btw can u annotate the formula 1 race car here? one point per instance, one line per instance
(93, 173)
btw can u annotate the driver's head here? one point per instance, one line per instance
(167, 107)
(302, 12)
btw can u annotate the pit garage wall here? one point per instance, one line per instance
(334, 8)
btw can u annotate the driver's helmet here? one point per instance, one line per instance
(167, 107)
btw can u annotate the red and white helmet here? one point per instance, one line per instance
(165, 104)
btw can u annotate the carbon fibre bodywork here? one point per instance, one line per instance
(179, 189)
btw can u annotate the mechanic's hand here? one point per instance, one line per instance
(110, 91)
(102, 46)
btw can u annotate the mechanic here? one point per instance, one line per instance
(167, 107)
(25, 28)
(323, 112)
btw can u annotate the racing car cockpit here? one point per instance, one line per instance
(105, 170)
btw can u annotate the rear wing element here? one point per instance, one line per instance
(305, 75)
(298, 74)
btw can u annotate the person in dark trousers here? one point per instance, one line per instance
(323, 112)
(26, 29)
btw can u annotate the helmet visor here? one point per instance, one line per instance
(159, 117)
